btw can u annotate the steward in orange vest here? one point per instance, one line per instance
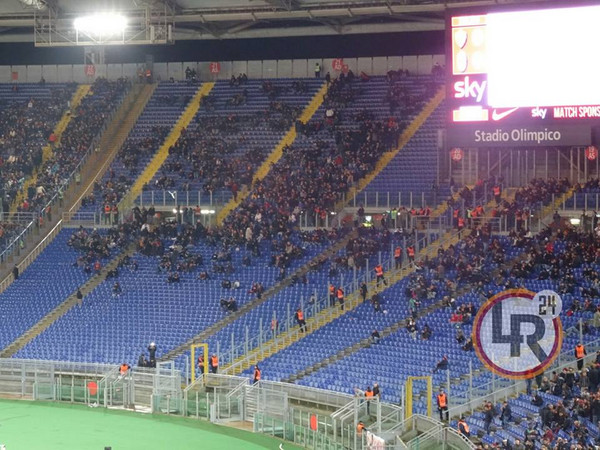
(442, 403)
(410, 251)
(340, 297)
(368, 396)
(332, 291)
(398, 257)
(379, 274)
(123, 368)
(214, 363)
(580, 355)
(257, 374)
(497, 192)
(300, 320)
(359, 428)
(201, 364)
(463, 427)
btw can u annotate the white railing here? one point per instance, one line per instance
(267, 340)
(18, 242)
(496, 390)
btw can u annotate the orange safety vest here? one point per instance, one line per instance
(368, 394)
(331, 289)
(579, 351)
(455, 213)
(496, 190)
(464, 424)
(397, 252)
(123, 369)
(379, 270)
(300, 315)
(257, 374)
(148, 73)
(442, 400)
(200, 361)
(214, 361)
(410, 251)
(340, 293)
(106, 208)
(461, 222)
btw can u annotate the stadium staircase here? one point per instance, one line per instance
(112, 140)
(163, 152)
(60, 127)
(352, 300)
(385, 159)
(287, 140)
(119, 126)
(548, 210)
(268, 294)
(65, 306)
(325, 316)
(367, 342)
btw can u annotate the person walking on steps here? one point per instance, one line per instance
(442, 404)
(580, 355)
(379, 275)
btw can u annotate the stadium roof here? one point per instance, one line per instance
(225, 19)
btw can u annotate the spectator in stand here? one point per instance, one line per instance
(375, 337)
(442, 364)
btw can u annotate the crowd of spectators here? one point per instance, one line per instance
(88, 120)
(25, 128)
(311, 176)
(122, 174)
(95, 247)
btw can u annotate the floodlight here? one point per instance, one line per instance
(101, 24)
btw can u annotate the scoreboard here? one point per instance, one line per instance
(525, 77)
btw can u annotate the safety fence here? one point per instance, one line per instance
(498, 389)
(310, 417)
(271, 335)
(17, 244)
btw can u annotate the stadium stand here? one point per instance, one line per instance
(181, 278)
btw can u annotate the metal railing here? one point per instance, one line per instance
(582, 200)
(174, 198)
(18, 242)
(32, 255)
(502, 389)
(218, 398)
(369, 199)
(268, 339)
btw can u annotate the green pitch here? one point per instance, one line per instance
(26, 425)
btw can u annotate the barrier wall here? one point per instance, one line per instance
(288, 68)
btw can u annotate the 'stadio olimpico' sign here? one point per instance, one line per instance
(484, 135)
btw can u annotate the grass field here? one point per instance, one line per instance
(27, 425)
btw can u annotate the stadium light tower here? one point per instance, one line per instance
(150, 24)
(101, 26)
(106, 24)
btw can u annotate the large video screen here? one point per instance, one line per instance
(531, 66)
